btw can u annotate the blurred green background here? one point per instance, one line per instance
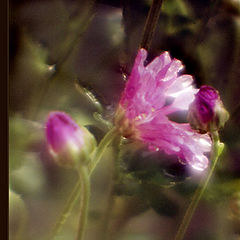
(59, 46)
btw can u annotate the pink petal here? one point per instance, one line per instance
(177, 139)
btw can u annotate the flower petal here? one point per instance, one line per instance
(177, 139)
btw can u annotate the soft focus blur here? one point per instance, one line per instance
(60, 50)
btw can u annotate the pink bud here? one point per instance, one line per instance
(207, 110)
(67, 141)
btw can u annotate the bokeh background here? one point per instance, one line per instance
(75, 56)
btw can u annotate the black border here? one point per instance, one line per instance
(4, 6)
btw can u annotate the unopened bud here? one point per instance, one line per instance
(69, 144)
(206, 112)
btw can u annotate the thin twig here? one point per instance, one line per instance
(151, 24)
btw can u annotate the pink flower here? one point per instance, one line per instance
(151, 94)
(67, 142)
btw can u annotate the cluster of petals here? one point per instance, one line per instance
(152, 93)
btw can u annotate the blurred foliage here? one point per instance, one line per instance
(17, 216)
(19, 128)
(75, 56)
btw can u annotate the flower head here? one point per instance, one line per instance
(207, 110)
(67, 141)
(151, 94)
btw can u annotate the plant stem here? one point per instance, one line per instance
(110, 200)
(67, 209)
(151, 24)
(85, 193)
(107, 139)
(107, 212)
(216, 151)
(77, 188)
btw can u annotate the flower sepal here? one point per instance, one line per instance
(125, 127)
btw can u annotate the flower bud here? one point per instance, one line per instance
(207, 112)
(69, 144)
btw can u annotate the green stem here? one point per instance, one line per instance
(108, 138)
(110, 200)
(85, 193)
(66, 211)
(77, 188)
(108, 211)
(151, 24)
(216, 151)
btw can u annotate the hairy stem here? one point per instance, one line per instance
(84, 176)
(84, 199)
(104, 228)
(67, 209)
(216, 151)
(108, 138)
